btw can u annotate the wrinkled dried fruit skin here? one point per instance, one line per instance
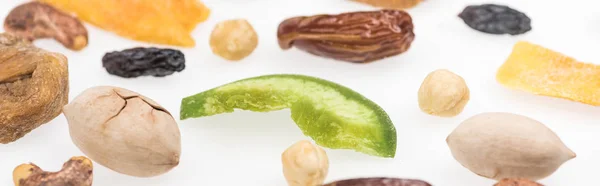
(34, 85)
(139, 61)
(358, 37)
(496, 19)
(124, 131)
(541, 71)
(78, 171)
(167, 22)
(499, 145)
(37, 20)
(233, 39)
(517, 182)
(391, 4)
(379, 182)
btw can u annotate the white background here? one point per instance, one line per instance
(244, 148)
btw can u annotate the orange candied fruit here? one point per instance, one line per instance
(541, 71)
(168, 22)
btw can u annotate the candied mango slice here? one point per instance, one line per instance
(167, 22)
(541, 71)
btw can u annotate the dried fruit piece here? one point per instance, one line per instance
(124, 131)
(443, 93)
(78, 171)
(36, 20)
(34, 85)
(358, 37)
(517, 182)
(496, 19)
(379, 182)
(334, 116)
(141, 61)
(305, 164)
(168, 22)
(233, 39)
(541, 71)
(391, 4)
(500, 145)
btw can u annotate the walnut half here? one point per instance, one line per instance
(358, 37)
(33, 87)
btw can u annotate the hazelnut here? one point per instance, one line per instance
(305, 164)
(443, 93)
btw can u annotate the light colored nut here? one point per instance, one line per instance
(305, 164)
(517, 182)
(124, 131)
(503, 145)
(78, 171)
(233, 39)
(443, 93)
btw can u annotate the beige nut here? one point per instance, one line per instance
(443, 93)
(124, 131)
(305, 164)
(500, 145)
(233, 39)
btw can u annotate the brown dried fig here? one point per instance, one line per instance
(34, 86)
(37, 20)
(358, 37)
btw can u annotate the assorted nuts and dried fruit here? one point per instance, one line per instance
(131, 134)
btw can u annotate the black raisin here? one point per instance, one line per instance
(140, 61)
(496, 19)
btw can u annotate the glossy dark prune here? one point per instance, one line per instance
(140, 61)
(496, 19)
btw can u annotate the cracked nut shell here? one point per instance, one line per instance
(34, 86)
(36, 20)
(124, 131)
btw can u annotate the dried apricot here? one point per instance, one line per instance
(541, 71)
(166, 22)
(392, 4)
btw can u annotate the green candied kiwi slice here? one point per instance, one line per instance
(334, 116)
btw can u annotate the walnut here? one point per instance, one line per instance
(78, 171)
(37, 20)
(34, 86)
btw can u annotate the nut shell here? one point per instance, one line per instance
(124, 131)
(500, 145)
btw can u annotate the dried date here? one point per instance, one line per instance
(496, 19)
(140, 61)
(379, 182)
(358, 37)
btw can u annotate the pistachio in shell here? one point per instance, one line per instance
(124, 131)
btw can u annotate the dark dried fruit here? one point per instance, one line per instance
(140, 61)
(358, 37)
(496, 19)
(379, 182)
(517, 182)
(35, 20)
